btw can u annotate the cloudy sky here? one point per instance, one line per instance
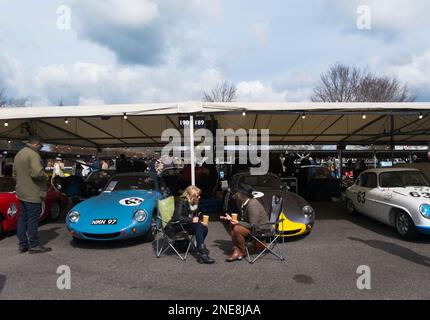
(137, 51)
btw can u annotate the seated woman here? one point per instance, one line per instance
(188, 214)
(252, 214)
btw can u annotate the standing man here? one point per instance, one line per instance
(31, 187)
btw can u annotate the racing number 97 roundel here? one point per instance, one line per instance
(131, 202)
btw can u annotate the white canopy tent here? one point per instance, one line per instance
(289, 123)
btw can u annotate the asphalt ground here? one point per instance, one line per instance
(322, 265)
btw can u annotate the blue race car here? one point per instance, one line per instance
(125, 209)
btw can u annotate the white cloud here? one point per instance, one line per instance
(90, 83)
(143, 31)
(415, 72)
(126, 13)
(12, 77)
(257, 91)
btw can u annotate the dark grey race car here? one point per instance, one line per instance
(268, 189)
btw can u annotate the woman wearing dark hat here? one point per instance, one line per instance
(252, 214)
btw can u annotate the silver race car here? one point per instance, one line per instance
(398, 197)
(298, 214)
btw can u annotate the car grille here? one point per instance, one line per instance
(102, 235)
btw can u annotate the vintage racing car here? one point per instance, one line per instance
(298, 214)
(125, 209)
(398, 197)
(55, 203)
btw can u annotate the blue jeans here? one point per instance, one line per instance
(199, 230)
(28, 222)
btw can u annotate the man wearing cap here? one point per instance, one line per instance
(31, 187)
(252, 215)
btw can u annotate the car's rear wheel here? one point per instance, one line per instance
(55, 212)
(350, 208)
(150, 235)
(405, 226)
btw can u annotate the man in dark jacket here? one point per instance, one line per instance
(123, 165)
(253, 214)
(31, 187)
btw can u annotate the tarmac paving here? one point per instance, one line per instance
(326, 264)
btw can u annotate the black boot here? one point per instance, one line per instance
(203, 255)
(205, 249)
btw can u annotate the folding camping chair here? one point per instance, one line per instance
(166, 240)
(267, 232)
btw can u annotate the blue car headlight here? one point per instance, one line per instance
(308, 211)
(425, 210)
(73, 216)
(140, 215)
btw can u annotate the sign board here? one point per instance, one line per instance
(199, 122)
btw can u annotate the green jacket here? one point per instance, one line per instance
(31, 179)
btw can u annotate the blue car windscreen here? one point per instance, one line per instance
(131, 183)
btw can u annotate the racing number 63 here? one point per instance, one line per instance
(361, 197)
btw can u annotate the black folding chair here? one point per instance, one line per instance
(268, 232)
(166, 240)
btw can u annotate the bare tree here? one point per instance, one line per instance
(338, 84)
(383, 89)
(223, 92)
(5, 101)
(350, 84)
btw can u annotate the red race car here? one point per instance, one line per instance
(55, 203)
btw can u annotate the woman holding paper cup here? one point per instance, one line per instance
(187, 212)
(252, 214)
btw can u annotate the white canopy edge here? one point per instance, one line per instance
(200, 107)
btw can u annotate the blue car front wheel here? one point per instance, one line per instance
(150, 235)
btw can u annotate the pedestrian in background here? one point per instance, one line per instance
(31, 187)
(123, 165)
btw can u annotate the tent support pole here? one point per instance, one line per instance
(375, 160)
(193, 168)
